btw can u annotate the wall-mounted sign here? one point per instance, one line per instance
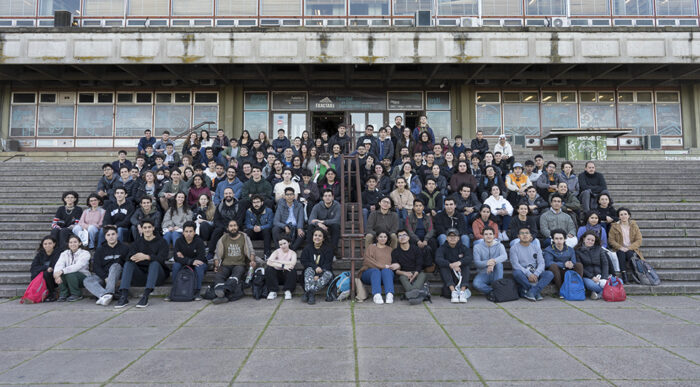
(400, 100)
(347, 100)
(438, 100)
(289, 100)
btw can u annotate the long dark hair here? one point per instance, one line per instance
(585, 234)
(40, 249)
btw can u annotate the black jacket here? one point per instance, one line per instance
(326, 257)
(106, 256)
(595, 182)
(541, 204)
(410, 260)
(157, 249)
(118, 215)
(516, 224)
(442, 222)
(594, 261)
(42, 262)
(482, 146)
(446, 255)
(370, 198)
(225, 214)
(191, 251)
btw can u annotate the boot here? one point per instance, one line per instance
(143, 302)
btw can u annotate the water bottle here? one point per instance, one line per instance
(249, 277)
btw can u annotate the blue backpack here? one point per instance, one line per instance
(339, 288)
(572, 289)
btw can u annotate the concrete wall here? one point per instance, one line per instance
(169, 46)
(690, 109)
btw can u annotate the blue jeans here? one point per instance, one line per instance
(402, 216)
(93, 234)
(503, 222)
(442, 238)
(526, 286)
(483, 280)
(377, 278)
(151, 277)
(592, 286)
(199, 272)
(365, 216)
(121, 233)
(171, 237)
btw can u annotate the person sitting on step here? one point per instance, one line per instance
(593, 224)
(233, 257)
(326, 216)
(528, 267)
(502, 211)
(570, 204)
(488, 259)
(190, 252)
(258, 223)
(592, 185)
(595, 263)
(625, 239)
(175, 218)
(71, 269)
(43, 263)
(419, 226)
(66, 218)
(317, 259)
(117, 213)
(377, 269)
(453, 260)
(107, 266)
(547, 182)
(558, 258)
(555, 218)
(384, 219)
(410, 267)
(281, 268)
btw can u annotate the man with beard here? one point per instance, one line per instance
(226, 211)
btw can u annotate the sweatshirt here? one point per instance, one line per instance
(235, 251)
(190, 251)
(42, 261)
(106, 256)
(70, 262)
(329, 215)
(91, 218)
(311, 257)
(527, 259)
(483, 253)
(446, 255)
(282, 261)
(551, 220)
(552, 255)
(376, 258)
(157, 250)
(410, 260)
(379, 222)
(595, 182)
(118, 215)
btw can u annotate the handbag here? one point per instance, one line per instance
(614, 291)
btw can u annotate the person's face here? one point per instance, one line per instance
(284, 245)
(371, 184)
(228, 195)
(180, 199)
(562, 188)
(502, 141)
(256, 173)
(462, 168)
(246, 169)
(287, 175)
(398, 121)
(186, 162)
(430, 185)
(430, 158)
(531, 194)
(361, 150)
(437, 149)
(522, 210)
(230, 173)
(418, 158)
(124, 173)
(219, 170)
(94, 202)
(418, 207)
(232, 227)
(270, 159)
(624, 216)
(111, 237)
(382, 134)
(518, 171)
(203, 201)
(70, 200)
(539, 162)
(479, 135)
(567, 169)
(465, 192)
(475, 161)
(452, 239)
(525, 235)
(368, 131)
(423, 120)
(280, 134)
(593, 219)
(407, 168)
(488, 236)
(193, 150)
(495, 191)
(48, 245)
(330, 176)
(556, 203)
(485, 213)
(212, 165)
(257, 204)
(385, 204)
(424, 137)
(108, 171)
(328, 198)
(589, 240)
(400, 184)
(318, 237)
(193, 137)
(590, 168)
(147, 230)
(403, 237)
(188, 233)
(449, 156)
(604, 201)
(148, 134)
(159, 161)
(119, 195)
(497, 157)
(378, 169)
(529, 168)
(490, 172)
(488, 158)
(382, 238)
(289, 197)
(341, 131)
(209, 153)
(220, 133)
(450, 207)
(558, 240)
(146, 205)
(140, 162)
(306, 179)
(550, 169)
(406, 132)
(288, 153)
(176, 176)
(336, 149)
(436, 170)
(165, 136)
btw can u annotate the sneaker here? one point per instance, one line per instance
(305, 297)
(272, 295)
(143, 302)
(99, 300)
(287, 295)
(378, 299)
(389, 298)
(504, 237)
(123, 300)
(561, 297)
(594, 296)
(455, 297)
(198, 295)
(107, 299)
(61, 299)
(74, 298)
(312, 298)
(539, 297)
(530, 296)
(219, 300)
(463, 297)
(166, 299)
(219, 291)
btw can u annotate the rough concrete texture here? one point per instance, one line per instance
(644, 341)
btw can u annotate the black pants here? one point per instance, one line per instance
(450, 279)
(205, 231)
(215, 236)
(333, 230)
(296, 241)
(273, 277)
(61, 235)
(50, 282)
(624, 258)
(230, 271)
(265, 235)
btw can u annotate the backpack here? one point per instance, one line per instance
(613, 290)
(36, 291)
(184, 285)
(504, 290)
(339, 287)
(233, 288)
(643, 272)
(259, 288)
(572, 288)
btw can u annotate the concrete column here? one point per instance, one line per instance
(5, 97)
(690, 109)
(464, 112)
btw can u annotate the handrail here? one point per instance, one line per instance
(192, 129)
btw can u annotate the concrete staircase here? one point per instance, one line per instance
(662, 198)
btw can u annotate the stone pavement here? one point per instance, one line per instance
(646, 340)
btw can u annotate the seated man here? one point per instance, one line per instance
(256, 185)
(432, 197)
(506, 150)
(592, 185)
(107, 267)
(159, 165)
(419, 226)
(554, 219)
(150, 156)
(466, 202)
(231, 181)
(517, 184)
(558, 258)
(547, 182)
(225, 212)
(528, 267)
(258, 223)
(107, 181)
(479, 145)
(488, 259)
(326, 216)
(453, 259)
(189, 251)
(117, 213)
(234, 255)
(209, 155)
(570, 204)
(410, 271)
(449, 218)
(146, 211)
(289, 220)
(145, 265)
(160, 145)
(127, 182)
(147, 139)
(370, 198)
(171, 158)
(382, 220)
(121, 161)
(534, 201)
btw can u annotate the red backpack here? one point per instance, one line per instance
(36, 291)
(613, 290)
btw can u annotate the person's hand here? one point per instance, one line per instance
(316, 278)
(422, 244)
(216, 265)
(323, 226)
(300, 232)
(171, 228)
(468, 210)
(624, 249)
(552, 187)
(58, 274)
(569, 265)
(197, 262)
(252, 262)
(58, 280)
(256, 228)
(433, 212)
(307, 191)
(609, 219)
(596, 279)
(456, 266)
(179, 255)
(286, 229)
(394, 266)
(319, 270)
(532, 278)
(49, 269)
(489, 269)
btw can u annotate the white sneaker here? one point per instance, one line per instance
(504, 237)
(287, 295)
(99, 300)
(378, 299)
(455, 297)
(594, 296)
(389, 298)
(107, 299)
(463, 297)
(272, 295)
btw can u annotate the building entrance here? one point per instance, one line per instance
(327, 121)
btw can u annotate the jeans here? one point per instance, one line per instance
(377, 278)
(171, 237)
(590, 200)
(416, 284)
(623, 258)
(592, 286)
(93, 233)
(402, 215)
(365, 216)
(266, 235)
(94, 283)
(71, 284)
(464, 239)
(121, 233)
(503, 222)
(483, 280)
(198, 270)
(61, 235)
(296, 241)
(526, 286)
(151, 277)
(273, 277)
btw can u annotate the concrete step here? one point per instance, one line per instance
(649, 224)
(675, 263)
(670, 242)
(678, 275)
(670, 233)
(669, 252)
(674, 216)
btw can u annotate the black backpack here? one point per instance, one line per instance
(259, 288)
(184, 285)
(504, 289)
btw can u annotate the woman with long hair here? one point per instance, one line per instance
(595, 263)
(317, 259)
(424, 144)
(625, 239)
(203, 215)
(412, 179)
(150, 186)
(245, 139)
(311, 161)
(402, 198)
(192, 139)
(306, 139)
(593, 224)
(175, 217)
(330, 182)
(264, 142)
(197, 189)
(71, 269)
(377, 269)
(90, 223)
(43, 263)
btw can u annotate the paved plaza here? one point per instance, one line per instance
(646, 340)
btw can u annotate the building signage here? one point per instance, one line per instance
(288, 100)
(438, 100)
(347, 100)
(399, 100)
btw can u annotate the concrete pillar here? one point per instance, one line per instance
(690, 109)
(464, 112)
(5, 97)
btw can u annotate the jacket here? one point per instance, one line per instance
(443, 222)
(42, 261)
(401, 200)
(594, 261)
(571, 182)
(387, 151)
(157, 250)
(130, 186)
(263, 219)
(458, 179)
(143, 141)
(446, 255)
(329, 215)
(176, 217)
(412, 222)
(543, 181)
(236, 186)
(225, 213)
(70, 262)
(513, 183)
(558, 257)
(190, 251)
(485, 184)
(499, 204)
(478, 227)
(418, 130)
(570, 201)
(173, 188)
(615, 237)
(311, 254)
(595, 182)
(378, 222)
(539, 202)
(106, 256)
(154, 216)
(140, 191)
(600, 230)
(118, 215)
(343, 141)
(483, 253)
(551, 220)
(105, 184)
(282, 214)
(482, 145)
(281, 143)
(461, 203)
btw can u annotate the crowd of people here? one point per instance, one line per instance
(427, 206)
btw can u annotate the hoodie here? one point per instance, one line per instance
(106, 256)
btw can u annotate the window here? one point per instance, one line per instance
(23, 98)
(441, 123)
(47, 98)
(193, 7)
(521, 113)
(256, 122)
(23, 115)
(676, 8)
(546, 7)
(632, 7)
(132, 120)
(501, 8)
(458, 7)
(409, 7)
(103, 7)
(18, 8)
(668, 114)
(148, 7)
(369, 7)
(206, 97)
(255, 101)
(325, 7)
(237, 7)
(206, 108)
(48, 7)
(488, 113)
(559, 110)
(597, 109)
(95, 120)
(589, 7)
(635, 110)
(280, 7)
(56, 120)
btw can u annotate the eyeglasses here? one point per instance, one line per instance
(403, 236)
